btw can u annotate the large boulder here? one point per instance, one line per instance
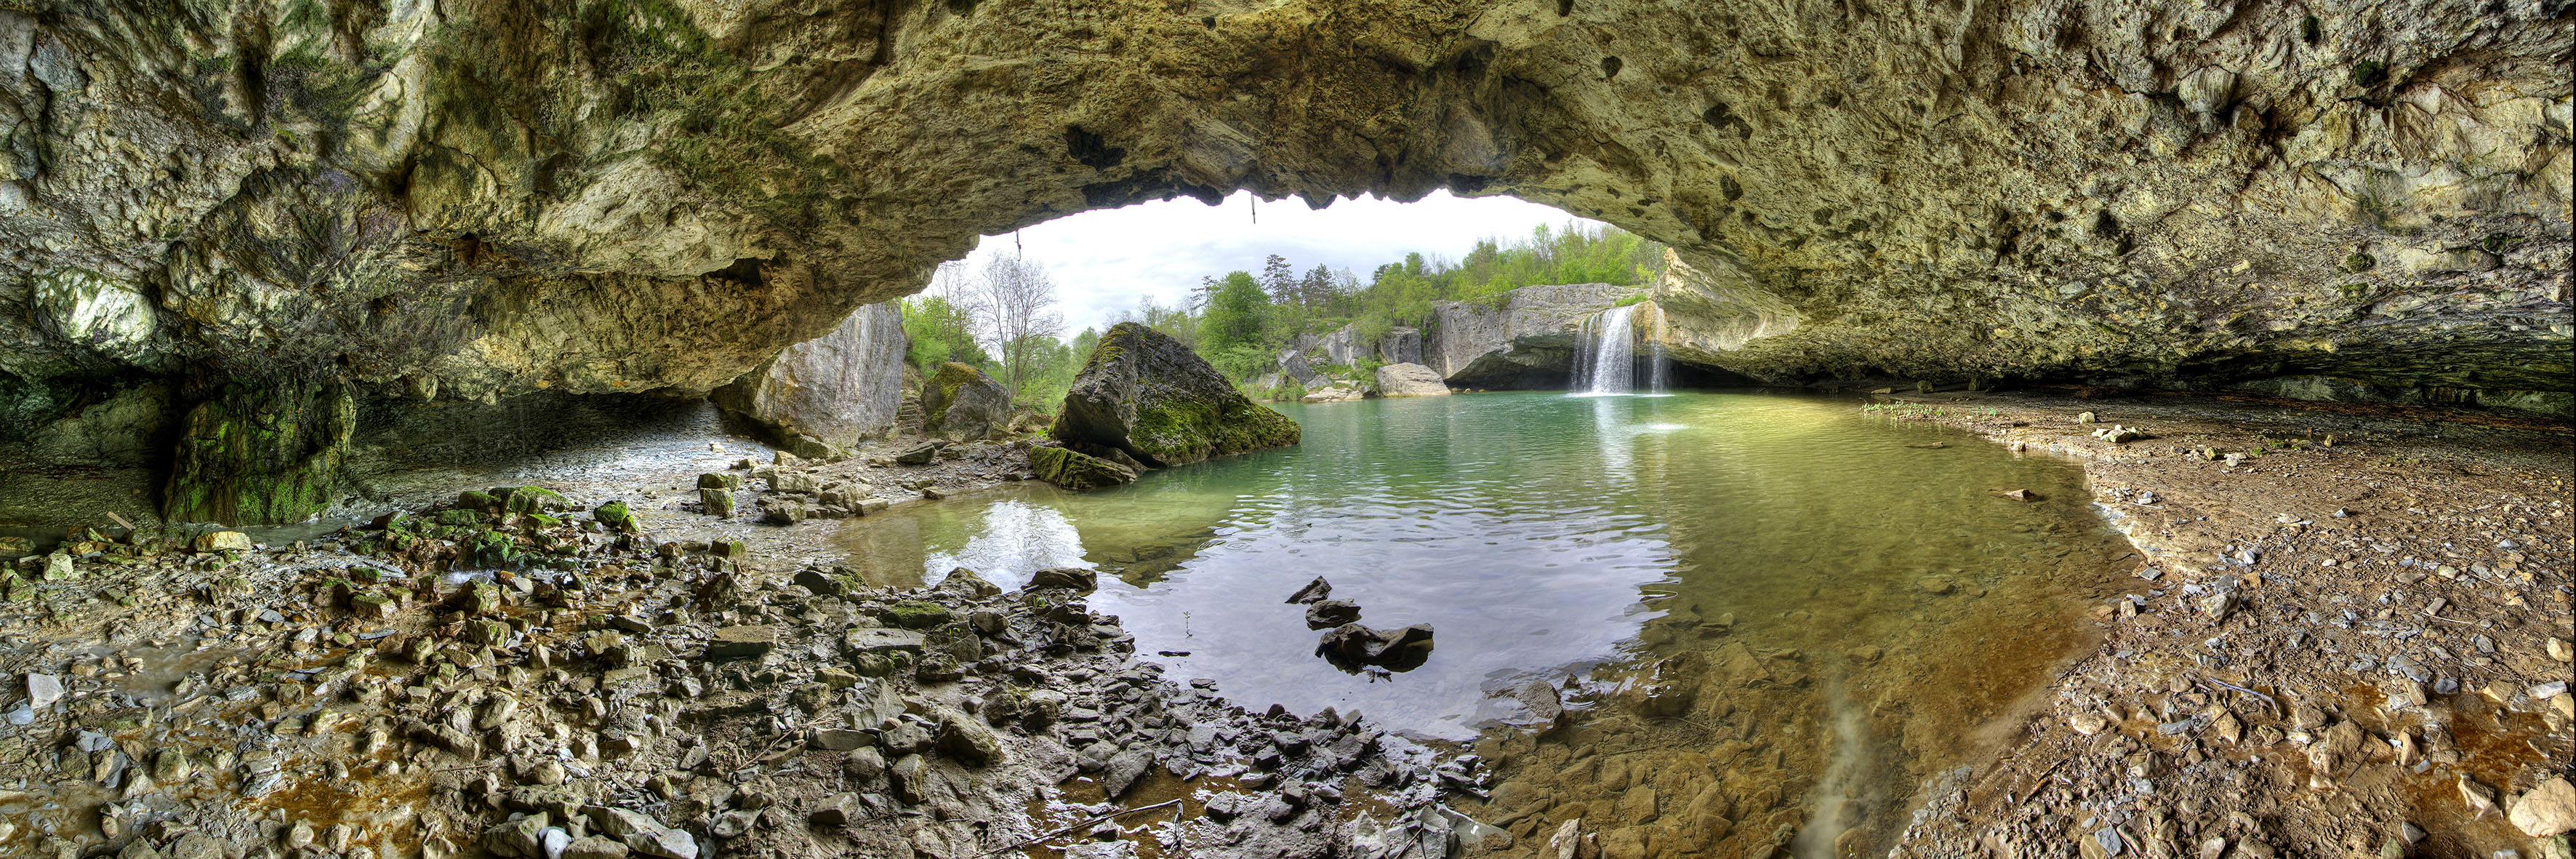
(1526, 342)
(1076, 470)
(1410, 380)
(1290, 367)
(836, 390)
(1147, 394)
(960, 402)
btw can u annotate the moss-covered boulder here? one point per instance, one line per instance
(1077, 471)
(1147, 394)
(960, 402)
(261, 454)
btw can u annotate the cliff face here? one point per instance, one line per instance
(832, 391)
(476, 198)
(1528, 342)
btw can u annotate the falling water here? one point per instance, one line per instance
(1605, 358)
(1661, 370)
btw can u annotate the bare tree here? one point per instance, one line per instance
(1012, 302)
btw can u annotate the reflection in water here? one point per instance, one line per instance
(1766, 612)
(1015, 539)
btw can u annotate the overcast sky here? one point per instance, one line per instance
(1103, 261)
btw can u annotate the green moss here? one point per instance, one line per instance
(260, 455)
(915, 614)
(1075, 470)
(529, 499)
(616, 516)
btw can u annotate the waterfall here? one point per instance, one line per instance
(1661, 371)
(1605, 359)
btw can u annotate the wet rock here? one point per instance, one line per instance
(1077, 471)
(716, 502)
(1353, 645)
(741, 642)
(1069, 578)
(966, 739)
(1329, 613)
(917, 614)
(616, 517)
(911, 777)
(1123, 770)
(1314, 590)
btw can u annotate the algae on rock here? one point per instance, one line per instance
(1146, 394)
(261, 455)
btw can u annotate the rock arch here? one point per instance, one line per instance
(479, 198)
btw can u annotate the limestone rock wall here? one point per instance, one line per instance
(476, 198)
(1528, 342)
(837, 389)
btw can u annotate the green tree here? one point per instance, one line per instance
(1235, 314)
(940, 332)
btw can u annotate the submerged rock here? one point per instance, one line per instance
(1351, 645)
(1151, 396)
(1077, 471)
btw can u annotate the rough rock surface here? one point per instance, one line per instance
(836, 389)
(480, 199)
(1528, 342)
(485, 198)
(1076, 470)
(1410, 380)
(960, 402)
(1145, 393)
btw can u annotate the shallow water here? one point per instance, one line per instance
(1542, 535)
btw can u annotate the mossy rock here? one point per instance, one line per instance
(1145, 393)
(617, 517)
(261, 454)
(961, 402)
(532, 499)
(477, 500)
(915, 614)
(459, 516)
(1076, 470)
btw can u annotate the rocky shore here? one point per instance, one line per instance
(2349, 637)
(525, 674)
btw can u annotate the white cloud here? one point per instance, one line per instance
(1104, 261)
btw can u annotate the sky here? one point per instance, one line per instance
(1103, 261)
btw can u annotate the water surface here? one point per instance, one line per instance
(1541, 535)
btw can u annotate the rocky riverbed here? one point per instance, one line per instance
(524, 674)
(2349, 637)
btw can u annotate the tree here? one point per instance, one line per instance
(940, 332)
(1012, 299)
(1234, 314)
(1279, 279)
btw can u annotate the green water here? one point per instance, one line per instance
(1542, 535)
